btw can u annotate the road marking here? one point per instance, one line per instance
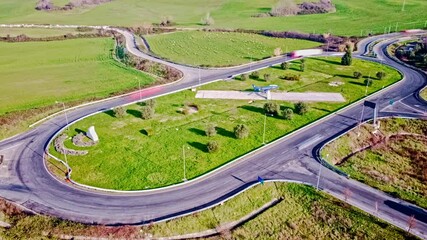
(309, 141)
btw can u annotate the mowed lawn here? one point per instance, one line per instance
(127, 159)
(220, 48)
(38, 32)
(36, 74)
(351, 17)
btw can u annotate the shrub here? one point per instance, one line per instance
(291, 77)
(302, 67)
(301, 108)
(149, 131)
(151, 103)
(147, 112)
(380, 75)
(119, 112)
(208, 20)
(212, 146)
(285, 65)
(285, 8)
(267, 77)
(287, 113)
(271, 108)
(357, 75)
(368, 82)
(210, 131)
(347, 60)
(277, 51)
(255, 75)
(241, 131)
(243, 77)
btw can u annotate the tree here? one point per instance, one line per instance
(243, 77)
(271, 108)
(302, 67)
(301, 108)
(119, 112)
(347, 60)
(267, 77)
(208, 20)
(285, 65)
(212, 146)
(287, 113)
(357, 75)
(120, 52)
(277, 52)
(380, 75)
(210, 131)
(255, 75)
(368, 82)
(151, 103)
(147, 112)
(241, 131)
(285, 8)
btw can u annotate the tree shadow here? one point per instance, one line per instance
(253, 109)
(202, 147)
(322, 109)
(78, 130)
(224, 132)
(327, 61)
(197, 131)
(134, 113)
(357, 83)
(110, 113)
(142, 104)
(143, 131)
(253, 58)
(277, 67)
(264, 9)
(344, 76)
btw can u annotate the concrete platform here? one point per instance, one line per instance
(282, 96)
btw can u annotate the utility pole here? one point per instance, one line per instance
(200, 78)
(320, 172)
(403, 5)
(265, 121)
(183, 154)
(396, 26)
(139, 86)
(65, 113)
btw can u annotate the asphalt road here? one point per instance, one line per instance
(292, 158)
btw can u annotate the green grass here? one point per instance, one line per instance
(351, 17)
(126, 158)
(36, 74)
(393, 167)
(423, 94)
(219, 48)
(303, 213)
(37, 32)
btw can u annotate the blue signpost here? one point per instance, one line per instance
(261, 180)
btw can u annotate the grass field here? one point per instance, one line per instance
(37, 32)
(126, 158)
(36, 74)
(302, 214)
(219, 48)
(351, 17)
(396, 166)
(423, 94)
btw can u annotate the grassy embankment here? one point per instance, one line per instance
(126, 158)
(220, 48)
(303, 213)
(423, 94)
(396, 165)
(39, 32)
(351, 17)
(36, 74)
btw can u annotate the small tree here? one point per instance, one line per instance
(210, 131)
(208, 20)
(151, 103)
(357, 75)
(368, 82)
(147, 112)
(267, 77)
(212, 146)
(255, 75)
(301, 108)
(119, 112)
(287, 113)
(277, 52)
(241, 131)
(271, 108)
(347, 60)
(302, 67)
(380, 75)
(243, 77)
(285, 65)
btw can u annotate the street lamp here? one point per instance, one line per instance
(65, 112)
(320, 172)
(183, 156)
(265, 121)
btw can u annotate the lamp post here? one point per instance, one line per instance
(265, 121)
(320, 172)
(139, 87)
(183, 156)
(200, 78)
(65, 112)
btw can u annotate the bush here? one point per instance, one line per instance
(285, 65)
(208, 20)
(212, 146)
(277, 52)
(255, 75)
(301, 108)
(243, 77)
(287, 113)
(302, 67)
(357, 75)
(271, 108)
(241, 131)
(267, 77)
(147, 112)
(210, 131)
(151, 103)
(119, 112)
(380, 75)
(368, 82)
(291, 77)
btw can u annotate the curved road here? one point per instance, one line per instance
(292, 158)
